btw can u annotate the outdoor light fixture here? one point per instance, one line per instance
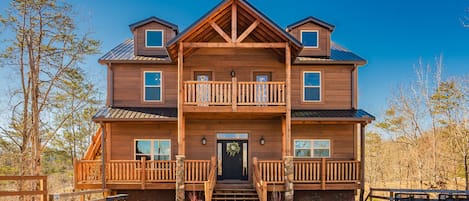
(262, 140)
(233, 73)
(204, 140)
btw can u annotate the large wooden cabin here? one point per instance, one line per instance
(234, 101)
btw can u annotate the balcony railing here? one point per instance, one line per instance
(311, 171)
(140, 171)
(222, 93)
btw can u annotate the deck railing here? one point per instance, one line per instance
(225, 93)
(257, 180)
(311, 171)
(140, 171)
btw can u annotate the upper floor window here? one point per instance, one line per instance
(153, 149)
(312, 86)
(311, 148)
(152, 91)
(153, 38)
(310, 39)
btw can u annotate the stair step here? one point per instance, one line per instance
(240, 198)
(235, 189)
(235, 194)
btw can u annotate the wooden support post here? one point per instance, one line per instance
(284, 137)
(181, 126)
(234, 22)
(234, 93)
(143, 164)
(43, 187)
(362, 161)
(288, 101)
(103, 156)
(75, 173)
(323, 174)
(288, 178)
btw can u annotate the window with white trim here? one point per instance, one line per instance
(154, 38)
(311, 86)
(152, 86)
(153, 149)
(312, 148)
(310, 38)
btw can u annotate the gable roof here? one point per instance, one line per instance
(296, 45)
(154, 19)
(313, 20)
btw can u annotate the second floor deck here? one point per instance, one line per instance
(234, 96)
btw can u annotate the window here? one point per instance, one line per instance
(313, 148)
(312, 86)
(153, 149)
(310, 39)
(153, 38)
(152, 91)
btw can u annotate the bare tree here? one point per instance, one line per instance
(45, 45)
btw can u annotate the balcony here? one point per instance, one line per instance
(233, 96)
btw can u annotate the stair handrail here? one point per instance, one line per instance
(258, 183)
(95, 145)
(209, 185)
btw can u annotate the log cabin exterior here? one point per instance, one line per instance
(232, 100)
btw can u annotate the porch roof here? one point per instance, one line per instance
(332, 115)
(108, 114)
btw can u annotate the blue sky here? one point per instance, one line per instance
(391, 35)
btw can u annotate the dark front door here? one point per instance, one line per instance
(234, 159)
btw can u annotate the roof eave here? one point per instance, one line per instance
(105, 62)
(359, 63)
(335, 119)
(140, 23)
(97, 120)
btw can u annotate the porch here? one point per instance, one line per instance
(200, 175)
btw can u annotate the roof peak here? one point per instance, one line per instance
(153, 19)
(311, 19)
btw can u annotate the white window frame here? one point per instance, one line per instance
(152, 151)
(317, 38)
(162, 37)
(145, 86)
(304, 87)
(312, 147)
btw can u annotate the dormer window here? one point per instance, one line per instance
(310, 38)
(153, 38)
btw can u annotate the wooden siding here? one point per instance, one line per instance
(123, 136)
(324, 49)
(342, 138)
(128, 85)
(336, 87)
(245, 62)
(139, 39)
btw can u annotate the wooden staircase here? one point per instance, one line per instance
(239, 192)
(94, 149)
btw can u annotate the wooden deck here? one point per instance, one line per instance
(200, 174)
(230, 96)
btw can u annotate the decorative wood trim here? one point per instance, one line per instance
(234, 22)
(248, 31)
(220, 31)
(234, 45)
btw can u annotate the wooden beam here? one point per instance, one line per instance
(234, 21)
(181, 127)
(362, 161)
(288, 111)
(284, 138)
(220, 31)
(248, 31)
(233, 45)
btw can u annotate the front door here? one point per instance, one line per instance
(233, 155)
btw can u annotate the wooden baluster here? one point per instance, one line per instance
(323, 173)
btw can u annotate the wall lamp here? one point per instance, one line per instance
(203, 140)
(262, 140)
(233, 73)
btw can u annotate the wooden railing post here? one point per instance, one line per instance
(143, 165)
(323, 173)
(234, 93)
(75, 173)
(43, 186)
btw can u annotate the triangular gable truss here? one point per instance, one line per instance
(234, 24)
